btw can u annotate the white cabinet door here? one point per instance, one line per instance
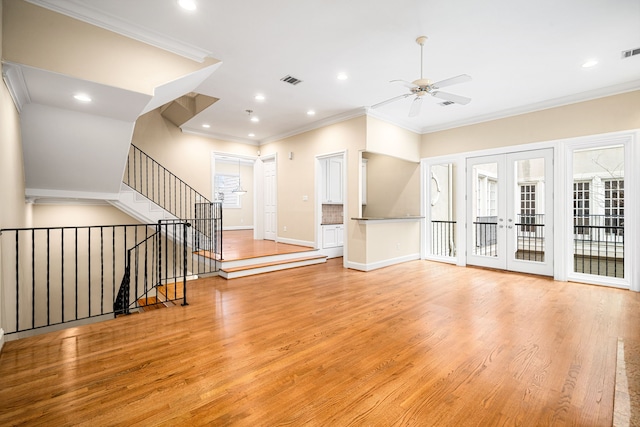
(332, 180)
(329, 236)
(332, 236)
(340, 234)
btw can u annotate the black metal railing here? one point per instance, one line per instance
(62, 274)
(598, 246)
(530, 237)
(443, 238)
(58, 275)
(486, 235)
(158, 184)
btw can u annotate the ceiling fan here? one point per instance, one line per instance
(422, 87)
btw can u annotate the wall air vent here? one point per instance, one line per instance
(290, 80)
(445, 103)
(631, 52)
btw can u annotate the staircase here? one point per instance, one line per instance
(268, 263)
(139, 207)
(166, 296)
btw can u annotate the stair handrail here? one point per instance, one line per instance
(167, 191)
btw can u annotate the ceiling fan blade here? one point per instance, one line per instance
(415, 106)
(462, 78)
(404, 83)
(463, 100)
(389, 101)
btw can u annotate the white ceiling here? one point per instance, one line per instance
(522, 55)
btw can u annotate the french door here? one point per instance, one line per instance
(510, 211)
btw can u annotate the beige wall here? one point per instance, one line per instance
(69, 215)
(296, 178)
(386, 138)
(188, 156)
(391, 241)
(393, 187)
(13, 211)
(609, 114)
(44, 39)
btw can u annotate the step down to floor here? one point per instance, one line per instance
(267, 267)
(152, 303)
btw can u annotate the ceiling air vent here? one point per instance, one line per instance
(290, 80)
(631, 52)
(445, 103)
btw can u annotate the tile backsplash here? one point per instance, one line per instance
(332, 214)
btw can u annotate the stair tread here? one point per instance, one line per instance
(273, 263)
(172, 291)
(146, 301)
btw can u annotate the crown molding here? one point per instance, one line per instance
(545, 105)
(78, 10)
(371, 112)
(347, 115)
(14, 79)
(220, 136)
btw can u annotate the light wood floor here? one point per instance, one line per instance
(420, 343)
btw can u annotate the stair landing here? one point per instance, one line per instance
(243, 256)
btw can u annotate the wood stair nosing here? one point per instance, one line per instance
(274, 263)
(266, 259)
(255, 269)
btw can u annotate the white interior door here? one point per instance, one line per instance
(510, 211)
(270, 200)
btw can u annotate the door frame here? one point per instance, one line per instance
(507, 202)
(259, 210)
(332, 252)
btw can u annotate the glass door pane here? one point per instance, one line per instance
(529, 210)
(442, 210)
(485, 209)
(598, 211)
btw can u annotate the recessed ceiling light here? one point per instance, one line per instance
(311, 113)
(252, 135)
(254, 119)
(83, 97)
(259, 97)
(187, 4)
(342, 76)
(206, 126)
(590, 63)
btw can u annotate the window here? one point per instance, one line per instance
(225, 184)
(527, 207)
(614, 206)
(581, 206)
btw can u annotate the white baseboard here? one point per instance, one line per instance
(381, 264)
(295, 242)
(333, 252)
(237, 227)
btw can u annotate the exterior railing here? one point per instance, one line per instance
(598, 245)
(443, 238)
(530, 234)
